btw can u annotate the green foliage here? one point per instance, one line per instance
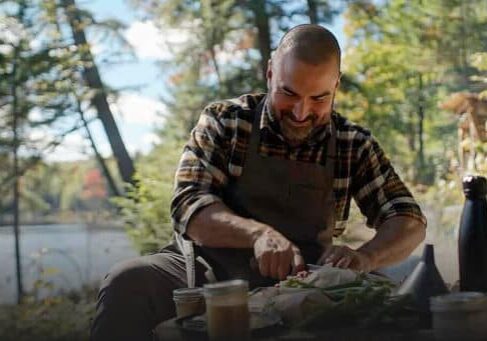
(217, 60)
(407, 56)
(57, 318)
(42, 91)
(479, 61)
(145, 210)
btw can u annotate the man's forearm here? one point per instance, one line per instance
(217, 226)
(395, 239)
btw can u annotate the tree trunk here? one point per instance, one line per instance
(263, 32)
(312, 12)
(99, 101)
(20, 290)
(111, 183)
(421, 126)
(16, 191)
(464, 50)
(411, 136)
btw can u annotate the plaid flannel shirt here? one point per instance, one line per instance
(217, 148)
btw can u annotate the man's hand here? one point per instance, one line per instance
(346, 258)
(276, 255)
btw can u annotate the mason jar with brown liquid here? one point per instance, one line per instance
(189, 301)
(227, 310)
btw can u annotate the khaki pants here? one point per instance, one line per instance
(136, 295)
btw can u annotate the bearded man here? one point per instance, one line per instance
(264, 183)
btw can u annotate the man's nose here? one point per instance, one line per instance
(301, 110)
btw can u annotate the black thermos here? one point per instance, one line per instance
(472, 238)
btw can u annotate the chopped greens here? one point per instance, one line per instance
(365, 301)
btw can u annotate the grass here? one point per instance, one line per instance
(64, 317)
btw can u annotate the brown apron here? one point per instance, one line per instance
(296, 198)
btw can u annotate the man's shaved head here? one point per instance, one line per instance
(303, 76)
(311, 44)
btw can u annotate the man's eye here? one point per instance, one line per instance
(320, 98)
(289, 94)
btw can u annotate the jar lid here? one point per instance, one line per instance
(188, 293)
(459, 301)
(226, 287)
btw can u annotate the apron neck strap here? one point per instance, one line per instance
(255, 134)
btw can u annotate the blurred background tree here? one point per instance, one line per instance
(407, 56)
(43, 97)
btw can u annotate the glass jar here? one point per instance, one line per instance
(227, 310)
(460, 316)
(189, 301)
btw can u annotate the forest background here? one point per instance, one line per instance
(402, 60)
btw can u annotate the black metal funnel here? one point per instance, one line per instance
(424, 282)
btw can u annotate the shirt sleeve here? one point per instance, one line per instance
(202, 169)
(378, 190)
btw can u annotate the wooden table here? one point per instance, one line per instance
(170, 330)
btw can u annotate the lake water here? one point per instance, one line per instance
(62, 257)
(68, 256)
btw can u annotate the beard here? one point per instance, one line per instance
(296, 133)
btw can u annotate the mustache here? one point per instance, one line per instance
(288, 114)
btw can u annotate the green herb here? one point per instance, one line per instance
(363, 302)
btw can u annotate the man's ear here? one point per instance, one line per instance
(268, 73)
(338, 81)
(269, 70)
